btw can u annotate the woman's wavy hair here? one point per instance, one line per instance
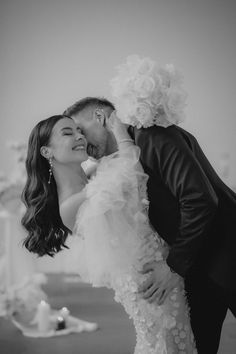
(46, 232)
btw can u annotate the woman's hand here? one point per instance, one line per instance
(118, 128)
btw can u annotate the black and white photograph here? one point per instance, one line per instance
(118, 177)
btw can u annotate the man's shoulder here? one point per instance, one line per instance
(157, 133)
(160, 138)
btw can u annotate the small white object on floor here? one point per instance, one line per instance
(73, 325)
(64, 312)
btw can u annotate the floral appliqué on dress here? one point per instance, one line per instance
(117, 242)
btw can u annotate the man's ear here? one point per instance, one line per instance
(45, 151)
(100, 116)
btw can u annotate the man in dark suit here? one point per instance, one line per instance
(190, 208)
(195, 213)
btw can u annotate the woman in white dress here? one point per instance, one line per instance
(109, 215)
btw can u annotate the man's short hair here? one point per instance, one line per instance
(88, 102)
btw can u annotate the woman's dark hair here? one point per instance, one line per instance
(46, 232)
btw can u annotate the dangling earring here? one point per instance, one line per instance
(50, 170)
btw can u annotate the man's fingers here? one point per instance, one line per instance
(160, 292)
(147, 267)
(154, 296)
(162, 297)
(165, 294)
(148, 294)
(146, 285)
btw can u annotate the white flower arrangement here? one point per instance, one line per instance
(146, 94)
(11, 186)
(23, 298)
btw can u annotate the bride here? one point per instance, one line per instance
(109, 215)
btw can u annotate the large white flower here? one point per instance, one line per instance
(174, 104)
(144, 86)
(144, 115)
(146, 66)
(146, 94)
(175, 76)
(127, 107)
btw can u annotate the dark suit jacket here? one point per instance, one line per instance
(190, 207)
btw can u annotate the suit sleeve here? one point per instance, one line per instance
(186, 180)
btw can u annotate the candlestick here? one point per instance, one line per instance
(43, 316)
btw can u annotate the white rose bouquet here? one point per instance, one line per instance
(146, 94)
(11, 186)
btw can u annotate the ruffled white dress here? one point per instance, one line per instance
(116, 240)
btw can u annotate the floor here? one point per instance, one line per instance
(114, 336)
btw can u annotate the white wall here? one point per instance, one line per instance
(54, 52)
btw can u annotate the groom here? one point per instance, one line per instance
(190, 208)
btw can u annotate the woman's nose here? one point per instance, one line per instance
(78, 136)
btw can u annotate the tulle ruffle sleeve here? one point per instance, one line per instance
(111, 220)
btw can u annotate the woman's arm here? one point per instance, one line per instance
(125, 143)
(70, 207)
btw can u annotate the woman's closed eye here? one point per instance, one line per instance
(67, 131)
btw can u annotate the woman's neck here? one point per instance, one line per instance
(70, 179)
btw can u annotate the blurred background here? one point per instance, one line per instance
(54, 52)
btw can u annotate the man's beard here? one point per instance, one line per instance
(95, 151)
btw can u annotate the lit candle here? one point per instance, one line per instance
(64, 312)
(43, 316)
(61, 324)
